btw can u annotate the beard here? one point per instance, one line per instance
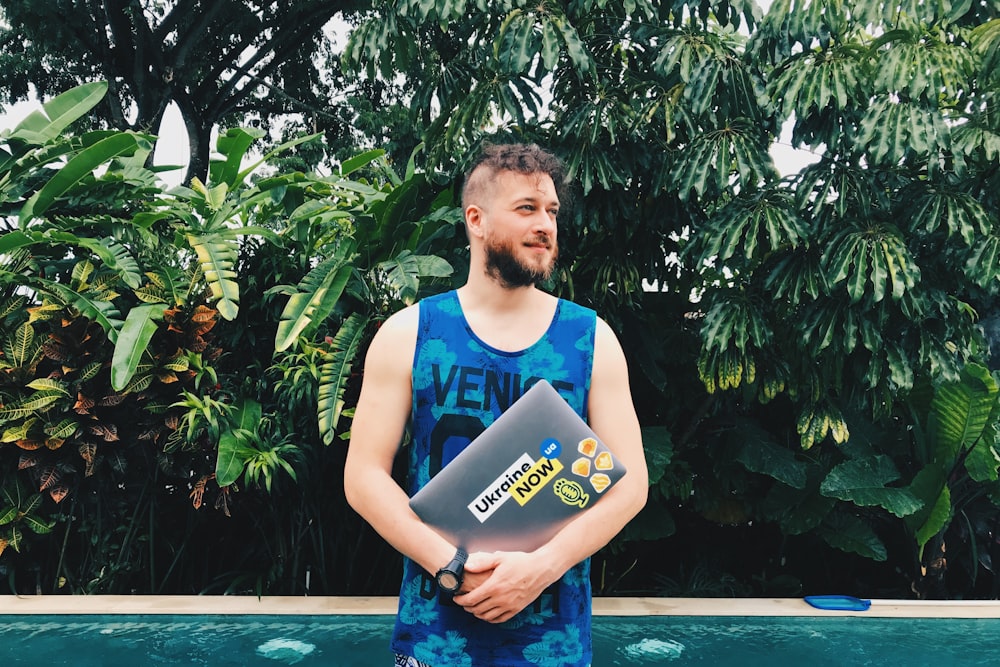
(503, 265)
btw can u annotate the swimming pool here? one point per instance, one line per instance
(157, 636)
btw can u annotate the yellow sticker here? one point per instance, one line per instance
(600, 482)
(571, 492)
(535, 478)
(604, 461)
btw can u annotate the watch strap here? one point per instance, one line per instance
(461, 556)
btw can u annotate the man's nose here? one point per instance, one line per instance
(544, 223)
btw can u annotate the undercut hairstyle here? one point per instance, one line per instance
(518, 158)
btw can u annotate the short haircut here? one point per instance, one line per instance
(519, 158)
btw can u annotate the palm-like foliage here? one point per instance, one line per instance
(834, 292)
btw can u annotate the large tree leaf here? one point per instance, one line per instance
(114, 255)
(335, 371)
(232, 145)
(864, 481)
(104, 313)
(316, 296)
(929, 485)
(133, 340)
(217, 258)
(851, 534)
(233, 451)
(983, 265)
(891, 128)
(60, 112)
(797, 511)
(875, 256)
(752, 226)
(986, 41)
(816, 81)
(79, 166)
(763, 456)
(961, 412)
(403, 273)
(955, 212)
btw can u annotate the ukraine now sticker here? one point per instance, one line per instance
(533, 479)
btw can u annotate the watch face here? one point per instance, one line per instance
(448, 581)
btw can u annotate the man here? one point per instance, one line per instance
(510, 608)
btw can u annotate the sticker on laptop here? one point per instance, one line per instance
(570, 492)
(591, 458)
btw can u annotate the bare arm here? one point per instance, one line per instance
(519, 578)
(376, 433)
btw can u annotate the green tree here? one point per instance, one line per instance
(220, 61)
(141, 413)
(822, 300)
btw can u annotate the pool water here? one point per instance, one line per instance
(362, 641)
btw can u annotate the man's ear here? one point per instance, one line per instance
(474, 220)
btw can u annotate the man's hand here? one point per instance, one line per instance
(515, 580)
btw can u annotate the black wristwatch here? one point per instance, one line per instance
(449, 578)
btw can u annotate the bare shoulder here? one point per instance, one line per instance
(396, 338)
(608, 354)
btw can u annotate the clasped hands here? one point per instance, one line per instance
(498, 585)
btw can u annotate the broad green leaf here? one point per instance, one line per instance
(334, 372)
(851, 534)
(78, 167)
(351, 165)
(47, 384)
(114, 255)
(40, 127)
(13, 240)
(133, 340)
(18, 345)
(103, 312)
(864, 481)
(8, 514)
(19, 431)
(218, 258)
(37, 525)
(64, 429)
(321, 289)
(929, 485)
(233, 145)
(659, 449)
(767, 458)
(986, 41)
(233, 452)
(983, 265)
(575, 48)
(550, 45)
(277, 150)
(403, 272)
(961, 412)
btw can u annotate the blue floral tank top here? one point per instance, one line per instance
(460, 385)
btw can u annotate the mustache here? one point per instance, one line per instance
(540, 239)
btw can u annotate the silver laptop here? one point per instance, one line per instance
(523, 478)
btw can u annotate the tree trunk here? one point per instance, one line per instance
(200, 140)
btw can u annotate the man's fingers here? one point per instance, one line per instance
(480, 562)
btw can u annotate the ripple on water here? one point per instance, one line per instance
(647, 649)
(288, 651)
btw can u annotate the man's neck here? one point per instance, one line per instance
(507, 319)
(487, 293)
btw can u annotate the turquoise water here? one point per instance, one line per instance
(271, 641)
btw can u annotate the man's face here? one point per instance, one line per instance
(519, 237)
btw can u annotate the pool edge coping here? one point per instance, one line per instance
(603, 606)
